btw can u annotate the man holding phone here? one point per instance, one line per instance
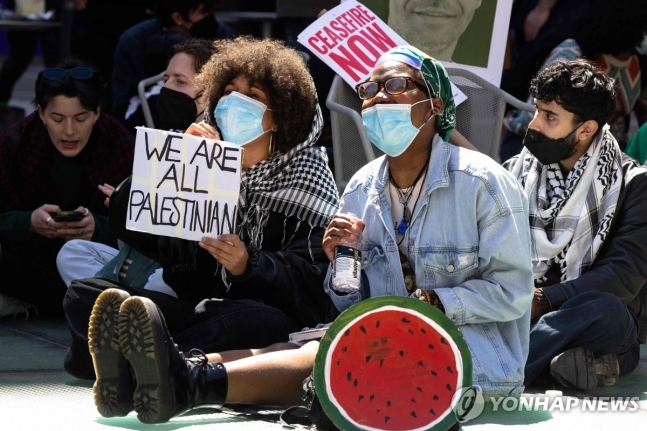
(51, 163)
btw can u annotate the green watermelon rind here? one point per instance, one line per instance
(371, 305)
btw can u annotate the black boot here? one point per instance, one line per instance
(168, 383)
(113, 389)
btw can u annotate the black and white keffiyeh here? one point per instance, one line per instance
(570, 219)
(297, 183)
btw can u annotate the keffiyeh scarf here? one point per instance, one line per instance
(570, 219)
(297, 183)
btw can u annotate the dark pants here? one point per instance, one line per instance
(213, 325)
(596, 320)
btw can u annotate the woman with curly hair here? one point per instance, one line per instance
(243, 290)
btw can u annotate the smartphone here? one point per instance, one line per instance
(63, 216)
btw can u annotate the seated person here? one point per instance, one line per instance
(587, 205)
(607, 33)
(264, 281)
(179, 106)
(53, 160)
(175, 20)
(465, 249)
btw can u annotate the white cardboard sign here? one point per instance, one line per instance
(350, 39)
(183, 186)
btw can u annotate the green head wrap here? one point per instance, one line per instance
(437, 79)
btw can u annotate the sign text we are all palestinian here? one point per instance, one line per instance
(183, 186)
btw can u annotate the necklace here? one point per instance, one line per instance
(404, 197)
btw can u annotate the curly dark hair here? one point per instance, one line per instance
(579, 87)
(89, 91)
(611, 27)
(280, 70)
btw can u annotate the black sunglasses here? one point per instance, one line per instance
(395, 85)
(76, 73)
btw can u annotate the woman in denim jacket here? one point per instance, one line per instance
(441, 223)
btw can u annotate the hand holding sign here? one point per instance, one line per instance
(229, 250)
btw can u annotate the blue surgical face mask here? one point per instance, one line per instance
(239, 118)
(389, 127)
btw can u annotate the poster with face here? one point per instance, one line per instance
(468, 34)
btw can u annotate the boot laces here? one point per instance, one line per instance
(197, 358)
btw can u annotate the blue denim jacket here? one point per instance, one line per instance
(469, 240)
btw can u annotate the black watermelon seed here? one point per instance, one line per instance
(347, 331)
(402, 353)
(405, 320)
(388, 403)
(413, 400)
(433, 373)
(450, 369)
(377, 324)
(368, 358)
(344, 349)
(371, 398)
(410, 331)
(419, 389)
(338, 361)
(414, 415)
(384, 340)
(421, 364)
(448, 386)
(442, 340)
(377, 411)
(375, 343)
(432, 412)
(361, 328)
(386, 418)
(381, 362)
(436, 397)
(360, 398)
(348, 376)
(431, 346)
(355, 382)
(423, 330)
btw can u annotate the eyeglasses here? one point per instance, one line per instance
(76, 73)
(395, 85)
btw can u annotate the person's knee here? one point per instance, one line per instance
(606, 306)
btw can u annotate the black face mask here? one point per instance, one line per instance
(177, 110)
(548, 150)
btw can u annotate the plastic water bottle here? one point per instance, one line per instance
(347, 263)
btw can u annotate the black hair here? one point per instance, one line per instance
(89, 91)
(579, 87)
(163, 9)
(611, 27)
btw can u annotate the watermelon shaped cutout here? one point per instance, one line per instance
(392, 363)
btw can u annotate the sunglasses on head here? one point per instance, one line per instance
(76, 73)
(395, 85)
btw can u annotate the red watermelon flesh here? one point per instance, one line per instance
(393, 369)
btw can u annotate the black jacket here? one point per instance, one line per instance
(621, 265)
(289, 278)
